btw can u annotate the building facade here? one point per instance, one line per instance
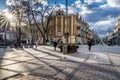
(108, 38)
(116, 33)
(78, 30)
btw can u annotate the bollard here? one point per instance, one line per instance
(65, 51)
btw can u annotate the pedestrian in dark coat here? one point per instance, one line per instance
(55, 45)
(89, 45)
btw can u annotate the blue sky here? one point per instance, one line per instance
(2, 4)
(99, 14)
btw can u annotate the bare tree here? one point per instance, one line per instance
(42, 11)
(34, 9)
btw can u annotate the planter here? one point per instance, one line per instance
(31, 46)
(26, 46)
(71, 48)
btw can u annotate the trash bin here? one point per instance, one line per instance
(65, 49)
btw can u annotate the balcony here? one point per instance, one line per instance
(78, 27)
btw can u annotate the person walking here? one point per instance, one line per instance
(55, 45)
(102, 43)
(89, 45)
(36, 44)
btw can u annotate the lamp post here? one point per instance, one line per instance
(66, 28)
(66, 35)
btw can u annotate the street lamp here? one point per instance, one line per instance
(66, 35)
(66, 28)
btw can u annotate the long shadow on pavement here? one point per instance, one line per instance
(47, 53)
(104, 68)
(51, 49)
(51, 66)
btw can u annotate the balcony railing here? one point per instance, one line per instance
(78, 27)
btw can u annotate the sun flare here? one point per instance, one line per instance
(9, 16)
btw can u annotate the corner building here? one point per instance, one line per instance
(116, 33)
(57, 27)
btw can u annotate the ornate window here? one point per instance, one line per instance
(59, 31)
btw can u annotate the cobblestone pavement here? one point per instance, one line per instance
(83, 72)
(46, 64)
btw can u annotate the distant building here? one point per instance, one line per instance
(95, 37)
(116, 33)
(108, 37)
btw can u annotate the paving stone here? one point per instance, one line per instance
(25, 55)
(9, 56)
(117, 63)
(65, 64)
(29, 50)
(73, 58)
(80, 54)
(37, 61)
(118, 69)
(52, 57)
(47, 61)
(6, 62)
(98, 58)
(22, 67)
(29, 77)
(41, 55)
(96, 72)
(47, 71)
(64, 74)
(4, 74)
(115, 60)
(21, 58)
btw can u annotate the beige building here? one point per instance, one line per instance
(116, 33)
(78, 30)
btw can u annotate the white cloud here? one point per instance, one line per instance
(56, 8)
(85, 10)
(44, 2)
(62, 6)
(10, 2)
(93, 1)
(13, 2)
(78, 4)
(103, 25)
(72, 10)
(18, 2)
(113, 3)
